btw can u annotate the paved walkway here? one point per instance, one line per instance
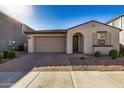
(69, 79)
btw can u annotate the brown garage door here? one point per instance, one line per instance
(47, 44)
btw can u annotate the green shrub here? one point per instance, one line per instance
(97, 54)
(113, 53)
(11, 54)
(5, 54)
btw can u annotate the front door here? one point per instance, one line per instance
(75, 43)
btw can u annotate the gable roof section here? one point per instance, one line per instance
(64, 31)
(115, 18)
(96, 22)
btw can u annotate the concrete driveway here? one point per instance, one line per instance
(30, 61)
(14, 70)
(25, 72)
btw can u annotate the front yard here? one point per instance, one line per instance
(64, 62)
(91, 63)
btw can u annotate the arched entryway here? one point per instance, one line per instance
(78, 43)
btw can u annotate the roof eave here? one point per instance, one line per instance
(94, 21)
(35, 32)
(114, 18)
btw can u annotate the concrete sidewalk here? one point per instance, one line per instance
(71, 79)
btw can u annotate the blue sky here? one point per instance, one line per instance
(62, 17)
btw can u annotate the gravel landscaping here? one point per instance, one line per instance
(91, 63)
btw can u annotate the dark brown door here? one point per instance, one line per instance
(75, 43)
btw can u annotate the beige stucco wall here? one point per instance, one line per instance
(30, 44)
(87, 30)
(103, 50)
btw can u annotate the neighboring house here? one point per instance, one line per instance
(119, 23)
(11, 32)
(86, 38)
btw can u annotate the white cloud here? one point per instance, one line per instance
(19, 12)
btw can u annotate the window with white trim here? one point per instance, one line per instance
(102, 36)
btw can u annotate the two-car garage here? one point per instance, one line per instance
(49, 44)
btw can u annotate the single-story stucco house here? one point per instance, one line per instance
(84, 38)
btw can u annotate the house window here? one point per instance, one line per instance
(118, 22)
(101, 38)
(24, 28)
